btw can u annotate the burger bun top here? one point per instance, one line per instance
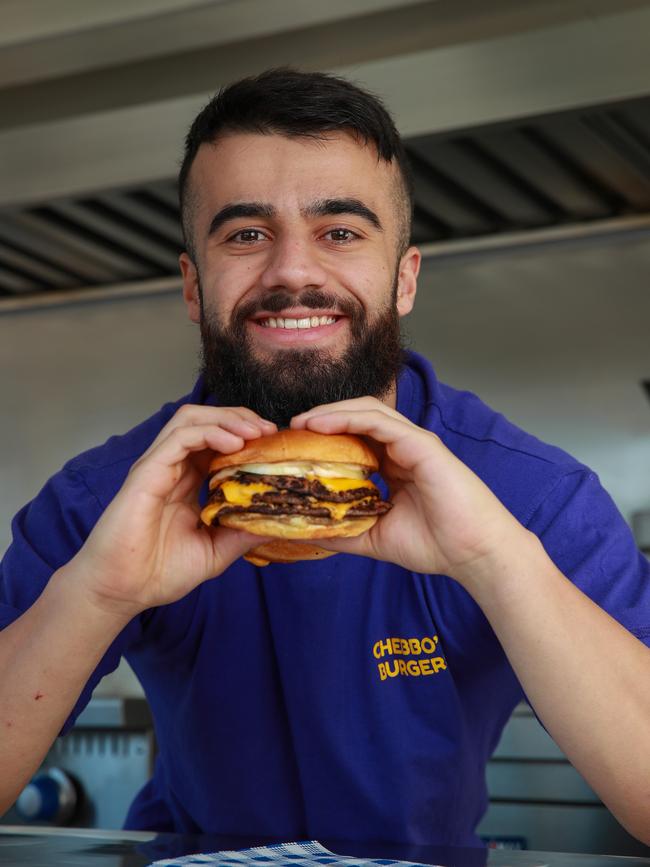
(301, 445)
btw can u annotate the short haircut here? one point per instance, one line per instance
(290, 102)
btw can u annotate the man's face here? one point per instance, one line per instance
(297, 281)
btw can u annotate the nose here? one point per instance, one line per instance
(293, 265)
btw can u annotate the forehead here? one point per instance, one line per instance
(287, 172)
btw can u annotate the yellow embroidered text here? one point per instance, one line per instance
(410, 647)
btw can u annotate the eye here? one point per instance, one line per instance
(247, 236)
(341, 236)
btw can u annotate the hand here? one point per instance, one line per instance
(149, 548)
(444, 518)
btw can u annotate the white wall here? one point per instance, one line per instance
(72, 376)
(558, 340)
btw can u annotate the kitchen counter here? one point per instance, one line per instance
(69, 847)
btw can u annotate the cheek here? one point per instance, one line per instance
(226, 285)
(372, 283)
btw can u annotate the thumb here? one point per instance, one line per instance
(360, 545)
(228, 545)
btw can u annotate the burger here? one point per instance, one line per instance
(295, 485)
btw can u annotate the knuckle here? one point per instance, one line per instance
(369, 401)
(186, 412)
(226, 412)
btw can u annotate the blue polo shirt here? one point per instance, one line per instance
(345, 698)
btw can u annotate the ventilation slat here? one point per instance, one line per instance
(41, 274)
(163, 224)
(18, 230)
(13, 283)
(154, 257)
(522, 153)
(446, 201)
(167, 192)
(122, 264)
(503, 197)
(600, 157)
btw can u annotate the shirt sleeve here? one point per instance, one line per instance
(46, 534)
(590, 542)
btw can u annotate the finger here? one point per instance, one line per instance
(229, 544)
(375, 423)
(360, 545)
(189, 482)
(356, 404)
(161, 469)
(394, 474)
(405, 443)
(239, 420)
(197, 413)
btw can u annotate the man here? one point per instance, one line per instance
(358, 697)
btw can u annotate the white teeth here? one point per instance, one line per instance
(307, 322)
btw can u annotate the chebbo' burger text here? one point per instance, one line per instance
(295, 485)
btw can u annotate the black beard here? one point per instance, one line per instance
(296, 380)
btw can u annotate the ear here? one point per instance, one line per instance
(407, 277)
(191, 294)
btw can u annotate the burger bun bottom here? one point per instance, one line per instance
(295, 526)
(289, 533)
(285, 551)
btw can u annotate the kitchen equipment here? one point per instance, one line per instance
(89, 777)
(536, 795)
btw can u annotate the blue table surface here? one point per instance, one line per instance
(66, 847)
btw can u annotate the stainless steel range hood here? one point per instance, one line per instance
(525, 123)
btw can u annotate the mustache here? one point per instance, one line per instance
(314, 299)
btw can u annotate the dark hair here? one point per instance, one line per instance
(294, 103)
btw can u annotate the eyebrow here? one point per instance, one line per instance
(319, 208)
(237, 210)
(334, 207)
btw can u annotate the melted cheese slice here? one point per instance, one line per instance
(238, 494)
(209, 512)
(337, 511)
(242, 495)
(345, 484)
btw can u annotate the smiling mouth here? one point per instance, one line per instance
(291, 323)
